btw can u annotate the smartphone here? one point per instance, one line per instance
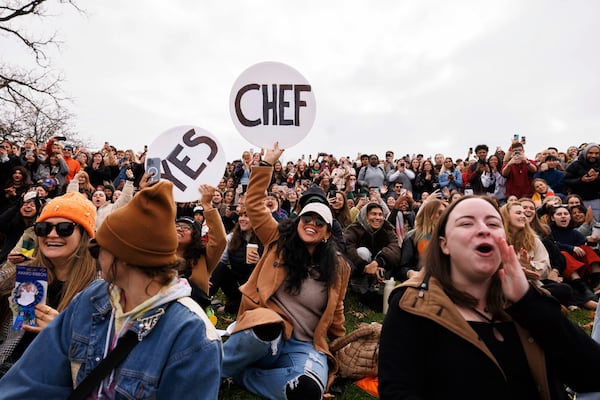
(523, 140)
(60, 138)
(232, 208)
(29, 152)
(153, 167)
(516, 137)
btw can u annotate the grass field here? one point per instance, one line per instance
(355, 314)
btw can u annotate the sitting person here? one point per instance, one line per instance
(63, 229)
(416, 240)
(583, 264)
(201, 253)
(237, 263)
(174, 352)
(472, 304)
(291, 304)
(372, 247)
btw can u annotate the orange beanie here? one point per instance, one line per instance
(73, 206)
(142, 233)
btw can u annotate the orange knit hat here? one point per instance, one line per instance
(73, 206)
(142, 233)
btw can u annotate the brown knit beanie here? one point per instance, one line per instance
(143, 233)
(73, 206)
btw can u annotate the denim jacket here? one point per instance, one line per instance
(180, 358)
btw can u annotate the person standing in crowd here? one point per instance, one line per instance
(582, 177)
(99, 174)
(551, 173)
(201, 253)
(473, 303)
(475, 170)
(518, 171)
(371, 175)
(401, 175)
(372, 247)
(492, 180)
(242, 171)
(54, 167)
(63, 229)
(140, 299)
(449, 177)
(292, 302)
(74, 166)
(426, 180)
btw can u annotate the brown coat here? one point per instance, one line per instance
(217, 241)
(256, 307)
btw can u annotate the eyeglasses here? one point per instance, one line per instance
(94, 248)
(318, 221)
(183, 227)
(63, 229)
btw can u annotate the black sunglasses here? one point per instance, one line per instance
(63, 229)
(94, 248)
(318, 221)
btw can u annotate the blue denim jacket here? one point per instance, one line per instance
(180, 358)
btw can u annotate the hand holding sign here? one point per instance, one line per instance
(271, 102)
(188, 156)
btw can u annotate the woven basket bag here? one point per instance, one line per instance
(358, 352)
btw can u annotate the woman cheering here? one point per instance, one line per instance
(473, 307)
(292, 302)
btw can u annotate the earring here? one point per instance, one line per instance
(324, 241)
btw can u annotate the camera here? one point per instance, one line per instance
(517, 153)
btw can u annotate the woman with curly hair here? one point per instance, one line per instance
(201, 252)
(426, 180)
(292, 302)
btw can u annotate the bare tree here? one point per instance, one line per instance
(32, 103)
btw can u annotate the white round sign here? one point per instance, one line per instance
(271, 102)
(188, 156)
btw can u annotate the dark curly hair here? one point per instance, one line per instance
(297, 259)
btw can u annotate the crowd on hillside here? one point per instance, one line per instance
(380, 214)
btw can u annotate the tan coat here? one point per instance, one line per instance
(214, 250)
(256, 307)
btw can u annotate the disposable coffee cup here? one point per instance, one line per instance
(250, 248)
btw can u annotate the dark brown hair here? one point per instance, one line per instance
(437, 264)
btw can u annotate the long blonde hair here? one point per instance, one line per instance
(82, 270)
(519, 238)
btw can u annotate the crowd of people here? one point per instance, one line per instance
(278, 242)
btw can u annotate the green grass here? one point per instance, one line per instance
(355, 314)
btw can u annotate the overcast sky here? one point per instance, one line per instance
(410, 76)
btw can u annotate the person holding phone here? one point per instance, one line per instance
(518, 171)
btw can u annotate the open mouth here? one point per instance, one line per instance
(484, 248)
